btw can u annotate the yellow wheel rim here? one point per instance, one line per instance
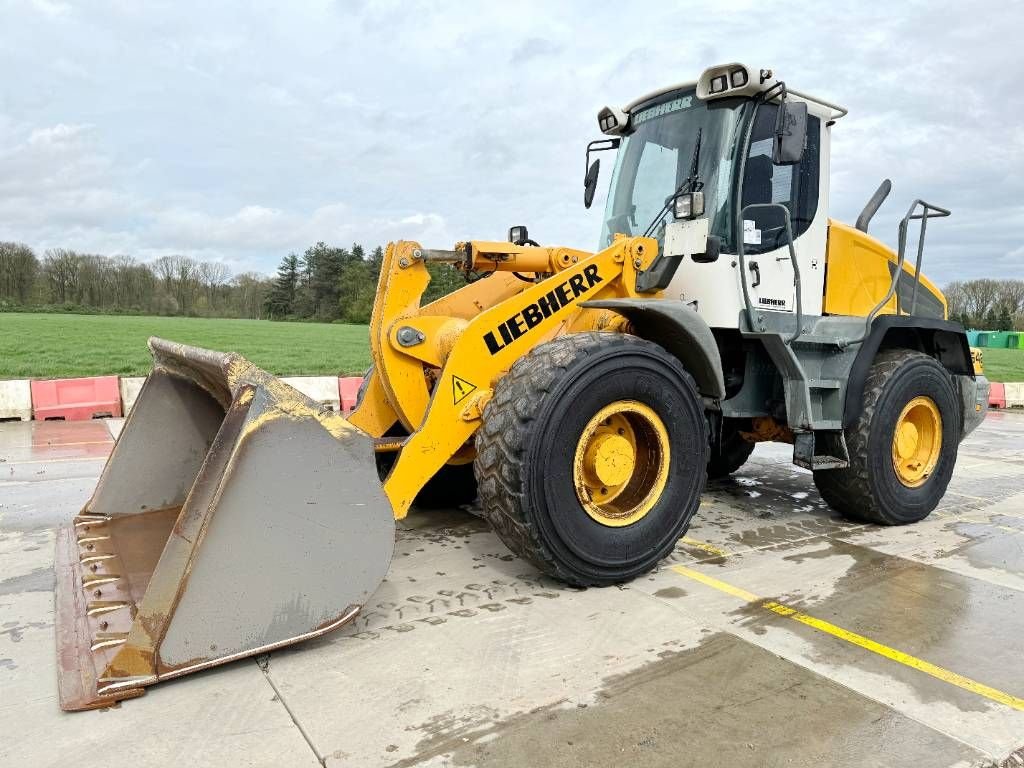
(917, 441)
(621, 464)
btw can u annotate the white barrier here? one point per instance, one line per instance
(16, 400)
(129, 386)
(1014, 395)
(323, 389)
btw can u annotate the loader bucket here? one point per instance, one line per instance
(234, 516)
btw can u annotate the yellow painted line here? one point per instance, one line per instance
(940, 673)
(704, 546)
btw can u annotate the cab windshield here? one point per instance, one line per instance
(655, 159)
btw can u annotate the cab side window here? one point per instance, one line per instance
(795, 186)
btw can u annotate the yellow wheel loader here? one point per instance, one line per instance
(584, 397)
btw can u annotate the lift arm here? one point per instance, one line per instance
(435, 367)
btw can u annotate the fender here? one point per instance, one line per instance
(944, 340)
(680, 330)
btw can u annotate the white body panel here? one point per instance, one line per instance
(714, 289)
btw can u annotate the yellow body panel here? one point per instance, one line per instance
(859, 273)
(438, 387)
(978, 360)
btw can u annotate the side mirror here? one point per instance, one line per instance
(790, 133)
(590, 182)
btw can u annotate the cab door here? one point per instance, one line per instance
(769, 268)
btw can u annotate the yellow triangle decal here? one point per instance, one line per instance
(460, 389)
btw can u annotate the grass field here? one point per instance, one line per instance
(39, 346)
(1003, 364)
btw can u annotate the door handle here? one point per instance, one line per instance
(756, 269)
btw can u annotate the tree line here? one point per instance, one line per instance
(325, 284)
(67, 280)
(992, 305)
(329, 284)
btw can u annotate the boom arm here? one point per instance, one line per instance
(435, 367)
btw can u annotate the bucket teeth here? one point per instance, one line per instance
(91, 539)
(92, 558)
(98, 607)
(108, 640)
(91, 580)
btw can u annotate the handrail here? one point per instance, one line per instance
(792, 257)
(838, 110)
(926, 213)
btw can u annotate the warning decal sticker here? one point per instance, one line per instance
(460, 388)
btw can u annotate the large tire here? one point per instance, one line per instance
(871, 489)
(452, 486)
(527, 448)
(729, 452)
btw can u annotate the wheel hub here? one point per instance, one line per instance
(609, 460)
(621, 464)
(917, 441)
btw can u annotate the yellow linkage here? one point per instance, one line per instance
(437, 387)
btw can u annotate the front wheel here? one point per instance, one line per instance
(902, 447)
(592, 457)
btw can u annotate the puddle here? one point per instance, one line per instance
(725, 702)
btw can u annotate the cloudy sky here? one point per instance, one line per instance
(242, 131)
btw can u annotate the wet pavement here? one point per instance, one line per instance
(777, 633)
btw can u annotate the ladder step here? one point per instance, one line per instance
(811, 339)
(824, 383)
(828, 424)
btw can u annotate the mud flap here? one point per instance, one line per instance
(234, 516)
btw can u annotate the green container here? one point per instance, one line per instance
(1001, 339)
(1020, 341)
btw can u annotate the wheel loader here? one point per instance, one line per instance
(583, 397)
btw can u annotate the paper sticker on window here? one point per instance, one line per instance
(751, 235)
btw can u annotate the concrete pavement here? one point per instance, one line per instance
(776, 634)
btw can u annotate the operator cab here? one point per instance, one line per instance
(691, 159)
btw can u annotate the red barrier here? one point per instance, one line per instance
(76, 399)
(348, 389)
(997, 395)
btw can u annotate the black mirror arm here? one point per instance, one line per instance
(599, 145)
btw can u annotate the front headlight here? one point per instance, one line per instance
(689, 205)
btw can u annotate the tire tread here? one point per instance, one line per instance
(510, 423)
(849, 491)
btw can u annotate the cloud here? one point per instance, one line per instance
(225, 133)
(50, 8)
(534, 48)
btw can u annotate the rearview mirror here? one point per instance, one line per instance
(590, 182)
(790, 133)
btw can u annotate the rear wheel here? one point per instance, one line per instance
(729, 452)
(592, 457)
(902, 447)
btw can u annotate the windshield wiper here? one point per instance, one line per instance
(691, 184)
